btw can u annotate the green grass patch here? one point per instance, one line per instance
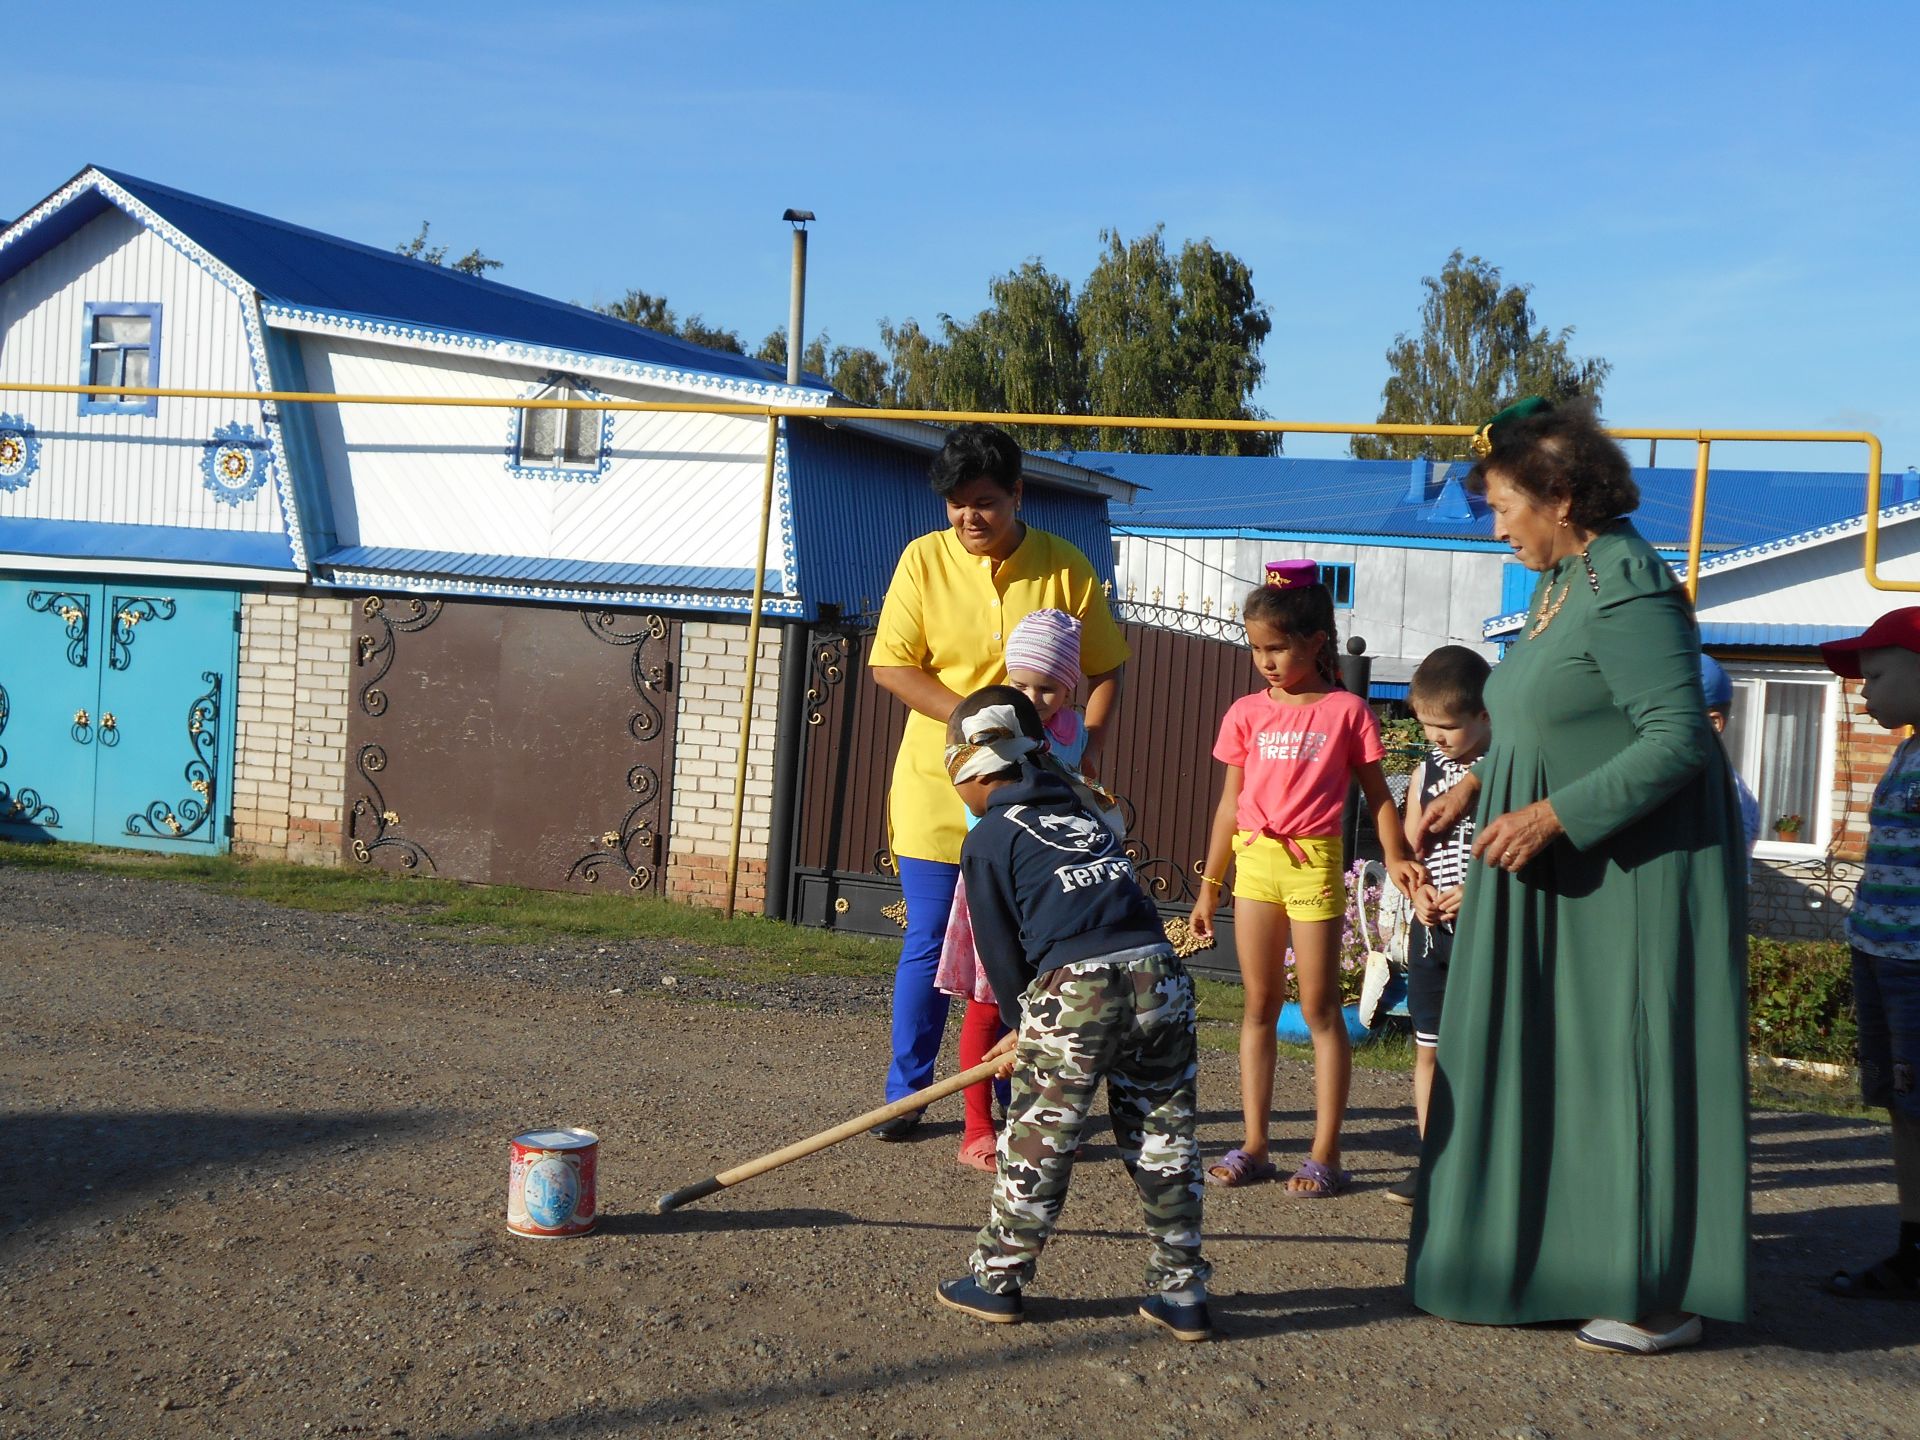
(754, 949)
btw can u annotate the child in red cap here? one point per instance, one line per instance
(1884, 930)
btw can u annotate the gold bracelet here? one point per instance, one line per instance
(1221, 884)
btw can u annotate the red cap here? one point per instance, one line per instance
(1895, 630)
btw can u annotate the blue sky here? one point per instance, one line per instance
(1724, 200)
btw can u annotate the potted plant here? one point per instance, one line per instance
(1787, 828)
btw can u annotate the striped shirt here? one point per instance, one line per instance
(1447, 861)
(1886, 904)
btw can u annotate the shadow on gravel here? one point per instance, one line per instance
(96, 1155)
(1800, 1152)
(706, 1222)
(1794, 1253)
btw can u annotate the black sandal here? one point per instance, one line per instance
(1882, 1281)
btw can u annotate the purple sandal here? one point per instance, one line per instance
(1325, 1180)
(1240, 1168)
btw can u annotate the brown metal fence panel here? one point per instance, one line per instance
(512, 744)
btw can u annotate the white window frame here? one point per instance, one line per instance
(562, 390)
(1817, 832)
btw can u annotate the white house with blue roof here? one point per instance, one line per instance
(217, 610)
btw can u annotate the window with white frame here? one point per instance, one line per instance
(121, 347)
(1780, 738)
(552, 438)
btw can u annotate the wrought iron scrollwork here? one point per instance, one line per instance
(1205, 621)
(25, 807)
(377, 649)
(202, 773)
(826, 669)
(71, 608)
(1802, 900)
(130, 611)
(633, 847)
(6, 709)
(369, 821)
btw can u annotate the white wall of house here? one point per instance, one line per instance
(127, 469)
(1820, 581)
(677, 490)
(1406, 602)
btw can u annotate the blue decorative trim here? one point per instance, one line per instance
(344, 579)
(730, 388)
(589, 474)
(788, 575)
(1378, 540)
(232, 466)
(1780, 545)
(99, 405)
(86, 539)
(19, 453)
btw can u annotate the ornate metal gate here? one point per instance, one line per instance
(116, 712)
(514, 744)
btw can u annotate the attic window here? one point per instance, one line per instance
(121, 346)
(561, 439)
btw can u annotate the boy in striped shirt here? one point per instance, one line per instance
(1884, 930)
(1446, 696)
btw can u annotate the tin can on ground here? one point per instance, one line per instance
(550, 1183)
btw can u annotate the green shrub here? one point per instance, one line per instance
(1800, 1000)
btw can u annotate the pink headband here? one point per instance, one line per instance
(1047, 642)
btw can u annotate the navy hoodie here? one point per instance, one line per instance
(1047, 884)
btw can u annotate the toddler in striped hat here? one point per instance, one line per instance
(1043, 663)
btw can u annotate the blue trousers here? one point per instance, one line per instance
(919, 1010)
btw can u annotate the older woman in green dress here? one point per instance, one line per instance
(1586, 1151)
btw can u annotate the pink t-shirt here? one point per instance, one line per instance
(1297, 760)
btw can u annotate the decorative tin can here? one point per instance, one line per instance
(550, 1183)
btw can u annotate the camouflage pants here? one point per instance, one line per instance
(1128, 1022)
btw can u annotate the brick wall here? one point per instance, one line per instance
(289, 765)
(711, 681)
(1862, 749)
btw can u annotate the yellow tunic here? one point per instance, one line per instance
(949, 613)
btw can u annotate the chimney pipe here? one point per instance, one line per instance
(797, 300)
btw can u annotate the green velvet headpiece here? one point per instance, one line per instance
(1483, 437)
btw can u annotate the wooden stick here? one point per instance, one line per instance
(859, 1125)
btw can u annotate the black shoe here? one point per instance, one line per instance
(898, 1128)
(1187, 1322)
(1401, 1191)
(970, 1297)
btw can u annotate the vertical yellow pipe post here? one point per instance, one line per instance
(1698, 528)
(753, 664)
(1872, 558)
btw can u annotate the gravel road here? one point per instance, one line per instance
(258, 1187)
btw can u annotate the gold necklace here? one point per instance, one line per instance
(1550, 609)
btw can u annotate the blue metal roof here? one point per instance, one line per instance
(542, 570)
(292, 265)
(1772, 637)
(1211, 493)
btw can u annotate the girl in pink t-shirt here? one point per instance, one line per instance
(1290, 752)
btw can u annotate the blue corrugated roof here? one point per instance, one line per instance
(292, 265)
(1772, 637)
(1371, 497)
(544, 570)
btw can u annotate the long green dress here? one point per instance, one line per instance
(1586, 1149)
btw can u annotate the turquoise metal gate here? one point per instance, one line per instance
(116, 712)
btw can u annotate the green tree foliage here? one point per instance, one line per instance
(471, 263)
(855, 371)
(652, 312)
(1147, 333)
(1480, 347)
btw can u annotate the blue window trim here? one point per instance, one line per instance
(98, 405)
(1337, 576)
(588, 473)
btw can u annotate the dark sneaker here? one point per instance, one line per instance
(1401, 1191)
(970, 1297)
(898, 1128)
(1187, 1322)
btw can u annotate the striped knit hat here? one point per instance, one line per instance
(1048, 643)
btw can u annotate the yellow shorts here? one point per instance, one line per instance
(1265, 869)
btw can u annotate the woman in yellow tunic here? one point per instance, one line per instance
(1586, 1147)
(955, 597)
